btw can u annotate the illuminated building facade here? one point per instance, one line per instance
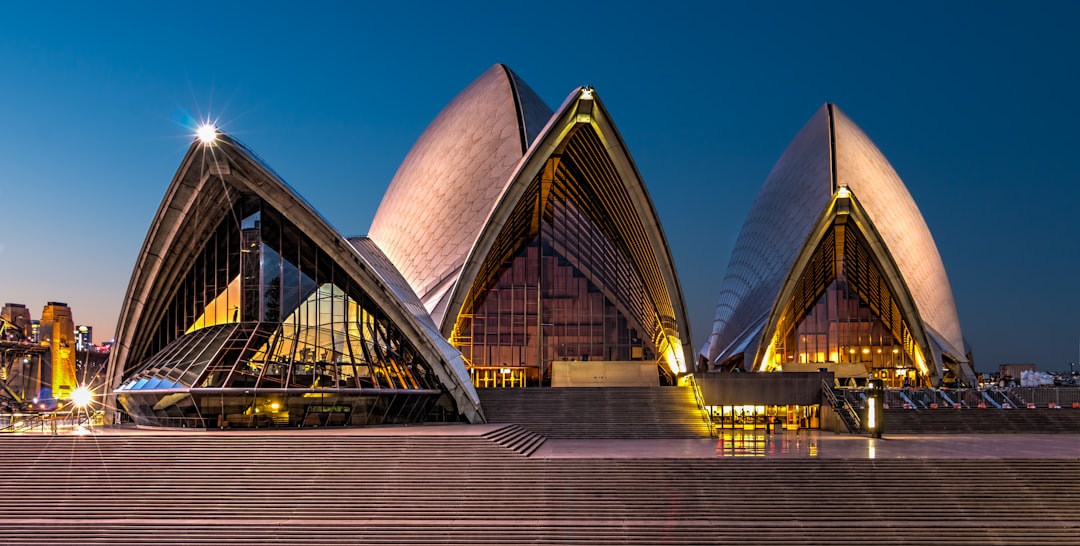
(84, 337)
(245, 309)
(835, 268)
(529, 237)
(57, 331)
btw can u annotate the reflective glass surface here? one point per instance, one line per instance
(843, 312)
(264, 310)
(571, 277)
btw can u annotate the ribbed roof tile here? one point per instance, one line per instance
(449, 182)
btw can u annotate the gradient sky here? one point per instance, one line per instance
(973, 103)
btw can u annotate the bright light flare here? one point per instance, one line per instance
(82, 396)
(207, 133)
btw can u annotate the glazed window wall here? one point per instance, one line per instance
(841, 328)
(292, 318)
(253, 409)
(556, 300)
(789, 417)
(843, 312)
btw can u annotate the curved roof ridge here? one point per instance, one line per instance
(554, 134)
(193, 205)
(450, 180)
(763, 255)
(829, 152)
(890, 206)
(533, 112)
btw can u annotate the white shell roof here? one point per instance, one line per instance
(793, 199)
(668, 297)
(448, 184)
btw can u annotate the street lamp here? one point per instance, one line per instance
(875, 415)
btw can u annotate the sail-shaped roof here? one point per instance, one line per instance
(213, 182)
(446, 187)
(830, 152)
(581, 154)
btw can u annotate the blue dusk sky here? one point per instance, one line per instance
(973, 103)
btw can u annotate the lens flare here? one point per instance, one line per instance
(207, 133)
(82, 397)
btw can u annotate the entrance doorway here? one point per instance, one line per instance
(787, 417)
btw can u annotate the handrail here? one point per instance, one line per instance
(29, 421)
(706, 415)
(1014, 401)
(986, 396)
(842, 407)
(909, 401)
(945, 396)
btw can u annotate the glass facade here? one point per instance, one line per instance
(843, 312)
(266, 329)
(773, 417)
(565, 280)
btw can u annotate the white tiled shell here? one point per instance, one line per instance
(789, 204)
(446, 187)
(863, 168)
(793, 199)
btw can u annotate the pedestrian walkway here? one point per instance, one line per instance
(825, 445)
(466, 484)
(752, 443)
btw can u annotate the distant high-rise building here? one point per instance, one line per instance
(35, 330)
(84, 338)
(57, 330)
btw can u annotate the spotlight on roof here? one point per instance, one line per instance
(207, 133)
(585, 105)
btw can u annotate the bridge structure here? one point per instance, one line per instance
(21, 369)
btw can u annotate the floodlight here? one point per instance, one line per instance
(207, 133)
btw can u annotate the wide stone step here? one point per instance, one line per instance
(982, 421)
(516, 438)
(479, 489)
(602, 413)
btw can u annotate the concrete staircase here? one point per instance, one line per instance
(521, 440)
(983, 421)
(597, 412)
(308, 488)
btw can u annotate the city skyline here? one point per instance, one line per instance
(971, 102)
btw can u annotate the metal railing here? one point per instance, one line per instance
(842, 408)
(994, 397)
(706, 415)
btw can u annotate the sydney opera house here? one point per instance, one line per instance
(836, 269)
(515, 247)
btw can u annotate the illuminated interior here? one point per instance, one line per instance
(776, 417)
(570, 277)
(264, 329)
(842, 315)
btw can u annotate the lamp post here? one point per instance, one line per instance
(875, 406)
